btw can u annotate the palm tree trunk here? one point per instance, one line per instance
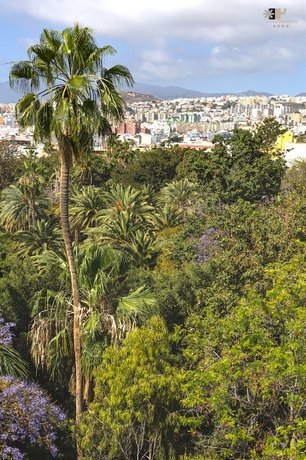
(66, 152)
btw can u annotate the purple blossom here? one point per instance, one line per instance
(6, 336)
(27, 416)
(9, 453)
(206, 245)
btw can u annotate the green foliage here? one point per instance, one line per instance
(21, 207)
(134, 414)
(42, 236)
(10, 163)
(181, 195)
(153, 167)
(19, 280)
(212, 241)
(85, 206)
(109, 310)
(235, 169)
(92, 169)
(295, 178)
(128, 223)
(11, 362)
(246, 371)
(267, 133)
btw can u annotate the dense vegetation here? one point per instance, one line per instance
(152, 303)
(192, 290)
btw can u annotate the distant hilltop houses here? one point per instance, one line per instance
(191, 122)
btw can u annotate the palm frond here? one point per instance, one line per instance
(24, 77)
(11, 363)
(137, 304)
(42, 236)
(26, 109)
(19, 207)
(119, 75)
(60, 351)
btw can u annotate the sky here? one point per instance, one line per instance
(206, 45)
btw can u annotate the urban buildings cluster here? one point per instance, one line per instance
(187, 122)
(202, 118)
(9, 129)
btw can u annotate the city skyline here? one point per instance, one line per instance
(200, 46)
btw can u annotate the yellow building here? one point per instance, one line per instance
(283, 139)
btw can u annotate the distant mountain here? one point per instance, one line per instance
(166, 92)
(144, 90)
(176, 92)
(301, 95)
(132, 96)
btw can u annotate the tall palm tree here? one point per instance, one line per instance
(71, 96)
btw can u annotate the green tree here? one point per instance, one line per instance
(139, 171)
(92, 169)
(134, 414)
(11, 362)
(119, 150)
(181, 194)
(295, 178)
(19, 281)
(78, 98)
(266, 134)
(236, 169)
(246, 369)
(42, 236)
(85, 206)
(10, 163)
(127, 223)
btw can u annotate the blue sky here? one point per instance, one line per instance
(207, 45)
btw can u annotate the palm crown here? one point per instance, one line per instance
(69, 91)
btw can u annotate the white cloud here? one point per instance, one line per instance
(229, 20)
(232, 35)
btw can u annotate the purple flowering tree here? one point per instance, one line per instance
(27, 415)
(206, 245)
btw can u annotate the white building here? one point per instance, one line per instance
(294, 151)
